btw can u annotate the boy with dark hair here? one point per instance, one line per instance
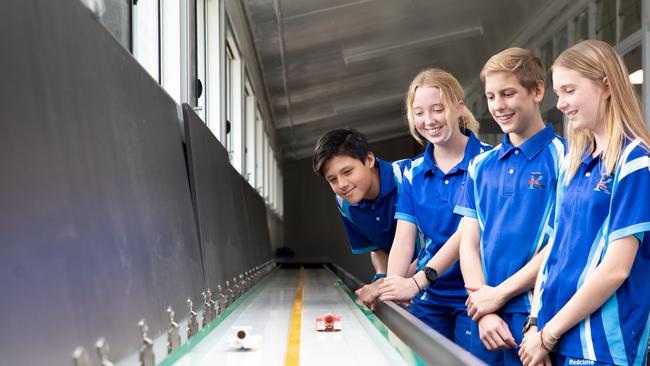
(366, 189)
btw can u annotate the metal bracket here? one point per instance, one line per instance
(102, 352)
(214, 306)
(80, 357)
(207, 311)
(192, 325)
(237, 290)
(147, 357)
(231, 295)
(223, 299)
(173, 336)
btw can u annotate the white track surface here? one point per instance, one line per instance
(268, 311)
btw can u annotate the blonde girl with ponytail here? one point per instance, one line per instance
(438, 118)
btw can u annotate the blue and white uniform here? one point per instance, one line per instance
(427, 200)
(594, 210)
(511, 192)
(370, 224)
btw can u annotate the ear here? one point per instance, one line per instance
(370, 160)
(606, 88)
(460, 106)
(538, 91)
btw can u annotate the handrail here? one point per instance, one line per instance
(431, 346)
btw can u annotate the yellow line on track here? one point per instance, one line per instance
(293, 345)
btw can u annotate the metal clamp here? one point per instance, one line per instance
(214, 307)
(173, 334)
(80, 357)
(192, 324)
(102, 352)
(207, 310)
(223, 299)
(147, 357)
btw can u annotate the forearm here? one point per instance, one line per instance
(470, 256)
(524, 279)
(402, 250)
(379, 260)
(597, 288)
(538, 280)
(446, 256)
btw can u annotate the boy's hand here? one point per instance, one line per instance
(369, 293)
(494, 333)
(398, 288)
(483, 300)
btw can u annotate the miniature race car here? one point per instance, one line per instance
(328, 323)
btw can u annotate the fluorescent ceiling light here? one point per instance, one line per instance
(636, 77)
(351, 57)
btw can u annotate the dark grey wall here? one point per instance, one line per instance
(97, 225)
(313, 228)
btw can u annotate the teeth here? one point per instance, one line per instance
(505, 117)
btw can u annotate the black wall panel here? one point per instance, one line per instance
(96, 222)
(228, 211)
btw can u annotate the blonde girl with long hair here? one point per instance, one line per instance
(437, 117)
(592, 295)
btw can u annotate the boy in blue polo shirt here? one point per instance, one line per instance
(366, 189)
(592, 294)
(508, 205)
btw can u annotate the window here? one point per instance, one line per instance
(249, 149)
(116, 19)
(630, 17)
(146, 36)
(234, 105)
(606, 21)
(170, 32)
(259, 152)
(201, 47)
(580, 27)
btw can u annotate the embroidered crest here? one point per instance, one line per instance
(535, 180)
(603, 184)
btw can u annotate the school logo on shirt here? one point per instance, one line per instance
(535, 180)
(603, 183)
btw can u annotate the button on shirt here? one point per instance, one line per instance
(594, 210)
(427, 200)
(370, 224)
(511, 192)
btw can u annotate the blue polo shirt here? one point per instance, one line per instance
(427, 200)
(593, 211)
(511, 192)
(370, 224)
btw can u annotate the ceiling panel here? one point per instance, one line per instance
(332, 63)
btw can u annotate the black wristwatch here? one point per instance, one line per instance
(531, 321)
(431, 275)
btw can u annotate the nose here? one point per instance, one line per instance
(498, 103)
(342, 182)
(561, 104)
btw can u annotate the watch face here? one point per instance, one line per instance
(431, 274)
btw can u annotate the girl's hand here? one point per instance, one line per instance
(533, 352)
(483, 300)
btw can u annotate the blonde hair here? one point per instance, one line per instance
(451, 92)
(597, 60)
(527, 67)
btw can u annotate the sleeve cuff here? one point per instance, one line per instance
(366, 249)
(637, 230)
(405, 217)
(464, 211)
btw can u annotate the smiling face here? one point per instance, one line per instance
(580, 99)
(349, 177)
(432, 121)
(513, 107)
